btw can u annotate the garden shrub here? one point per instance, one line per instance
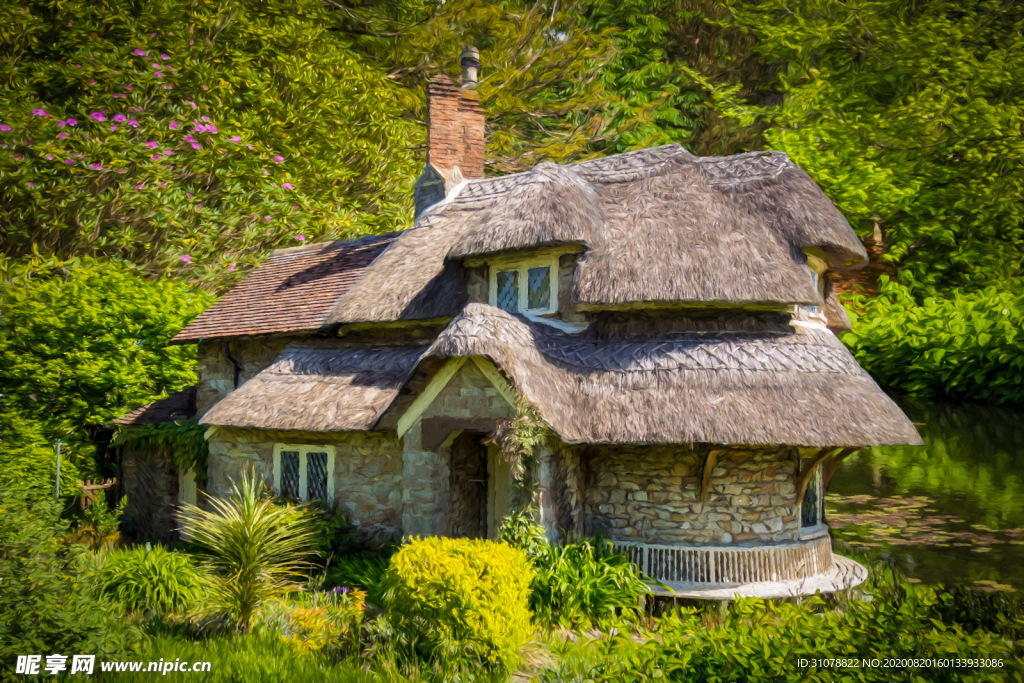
(578, 584)
(363, 570)
(460, 599)
(47, 603)
(324, 622)
(144, 578)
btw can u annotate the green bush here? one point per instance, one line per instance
(577, 584)
(364, 570)
(462, 600)
(965, 346)
(143, 578)
(48, 604)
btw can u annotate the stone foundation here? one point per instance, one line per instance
(651, 495)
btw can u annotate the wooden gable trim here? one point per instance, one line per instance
(494, 377)
(439, 382)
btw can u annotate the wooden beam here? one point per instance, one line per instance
(495, 378)
(833, 465)
(710, 460)
(427, 396)
(805, 476)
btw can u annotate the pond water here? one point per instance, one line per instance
(951, 511)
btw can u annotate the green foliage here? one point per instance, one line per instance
(461, 600)
(319, 622)
(757, 640)
(79, 346)
(151, 579)
(909, 116)
(205, 133)
(47, 603)
(518, 440)
(98, 526)
(256, 548)
(582, 583)
(966, 346)
(519, 530)
(364, 570)
(184, 440)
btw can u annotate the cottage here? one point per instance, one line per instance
(668, 316)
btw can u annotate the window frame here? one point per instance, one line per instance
(817, 481)
(523, 265)
(304, 451)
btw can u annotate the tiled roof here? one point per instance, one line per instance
(180, 405)
(291, 292)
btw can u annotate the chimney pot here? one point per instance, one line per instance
(470, 61)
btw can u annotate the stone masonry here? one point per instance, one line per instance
(217, 371)
(367, 470)
(652, 495)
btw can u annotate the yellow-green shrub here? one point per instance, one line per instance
(319, 622)
(461, 598)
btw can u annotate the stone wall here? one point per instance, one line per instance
(652, 495)
(217, 372)
(367, 470)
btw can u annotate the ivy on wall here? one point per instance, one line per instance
(182, 440)
(518, 439)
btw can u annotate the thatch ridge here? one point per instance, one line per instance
(319, 386)
(754, 388)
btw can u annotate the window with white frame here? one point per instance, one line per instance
(527, 285)
(814, 283)
(304, 472)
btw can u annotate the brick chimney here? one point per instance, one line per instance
(455, 134)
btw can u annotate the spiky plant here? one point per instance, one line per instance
(257, 549)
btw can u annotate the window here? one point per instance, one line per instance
(810, 506)
(525, 286)
(304, 472)
(814, 282)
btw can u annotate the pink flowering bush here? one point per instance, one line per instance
(137, 151)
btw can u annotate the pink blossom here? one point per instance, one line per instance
(71, 23)
(4, 127)
(140, 186)
(120, 170)
(141, 53)
(39, 112)
(85, 136)
(155, 157)
(168, 152)
(133, 123)
(31, 185)
(266, 173)
(301, 238)
(211, 128)
(266, 218)
(189, 195)
(61, 135)
(120, 118)
(78, 66)
(235, 138)
(49, 157)
(186, 258)
(152, 144)
(92, 82)
(163, 184)
(205, 87)
(113, 128)
(72, 122)
(158, 74)
(168, 87)
(97, 116)
(200, 206)
(231, 267)
(129, 87)
(189, 138)
(196, 145)
(278, 158)
(69, 161)
(17, 157)
(295, 207)
(287, 186)
(155, 66)
(152, 35)
(191, 42)
(164, 57)
(96, 167)
(174, 125)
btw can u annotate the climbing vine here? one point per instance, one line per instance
(182, 439)
(518, 439)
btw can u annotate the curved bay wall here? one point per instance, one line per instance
(651, 495)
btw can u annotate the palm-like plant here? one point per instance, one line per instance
(257, 549)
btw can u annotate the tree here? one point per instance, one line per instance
(78, 347)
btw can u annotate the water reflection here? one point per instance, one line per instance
(949, 511)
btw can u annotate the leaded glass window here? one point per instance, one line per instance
(290, 474)
(810, 507)
(508, 290)
(539, 292)
(316, 476)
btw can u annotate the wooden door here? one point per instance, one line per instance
(499, 480)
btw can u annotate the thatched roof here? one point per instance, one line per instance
(659, 225)
(180, 405)
(319, 386)
(692, 382)
(292, 292)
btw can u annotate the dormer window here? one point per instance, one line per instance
(527, 285)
